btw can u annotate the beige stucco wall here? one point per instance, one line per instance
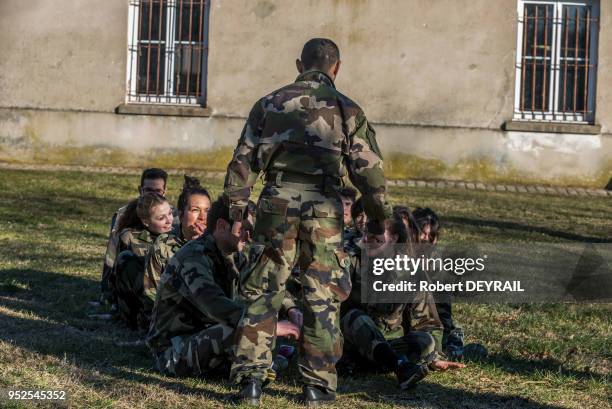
(436, 77)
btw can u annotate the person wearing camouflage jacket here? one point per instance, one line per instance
(126, 279)
(304, 138)
(195, 313)
(152, 180)
(161, 251)
(401, 337)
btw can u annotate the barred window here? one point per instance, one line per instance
(556, 62)
(167, 51)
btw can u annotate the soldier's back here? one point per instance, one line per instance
(304, 127)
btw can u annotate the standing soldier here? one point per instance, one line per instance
(304, 138)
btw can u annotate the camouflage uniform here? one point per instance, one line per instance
(194, 317)
(413, 330)
(110, 256)
(107, 294)
(128, 274)
(161, 251)
(350, 241)
(303, 137)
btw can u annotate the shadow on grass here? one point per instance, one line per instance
(518, 366)
(36, 326)
(523, 228)
(427, 395)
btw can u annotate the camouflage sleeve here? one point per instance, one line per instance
(365, 166)
(199, 286)
(422, 315)
(154, 267)
(242, 170)
(107, 267)
(287, 303)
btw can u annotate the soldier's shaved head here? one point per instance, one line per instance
(320, 53)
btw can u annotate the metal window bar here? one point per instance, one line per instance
(553, 60)
(165, 63)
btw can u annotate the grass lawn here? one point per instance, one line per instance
(53, 230)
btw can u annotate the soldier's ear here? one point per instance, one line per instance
(336, 68)
(299, 65)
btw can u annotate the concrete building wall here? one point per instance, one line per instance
(436, 77)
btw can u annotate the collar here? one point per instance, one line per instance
(316, 76)
(147, 236)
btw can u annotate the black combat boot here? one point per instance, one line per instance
(408, 374)
(250, 392)
(315, 396)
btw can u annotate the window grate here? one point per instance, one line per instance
(556, 60)
(167, 51)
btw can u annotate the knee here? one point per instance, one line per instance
(428, 344)
(354, 320)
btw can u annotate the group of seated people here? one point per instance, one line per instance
(174, 274)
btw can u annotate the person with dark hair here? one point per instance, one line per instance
(195, 312)
(359, 216)
(143, 221)
(304, 137)
(427, 229)
(390, 336)
(193, 207)
(427, 224)
(152, 180)
(320, 54)
(348, 195)
(403, 213)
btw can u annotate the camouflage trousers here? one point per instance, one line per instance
(134, 307)
(362, 335)
(194, 355)
(295, 221)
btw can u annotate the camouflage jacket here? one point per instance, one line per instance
(164, 247)
(420, 314)
(138, 241)
(350, 241)
(308, 127)
(194, 293)
(110, 256)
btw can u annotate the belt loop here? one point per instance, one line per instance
(279, 179)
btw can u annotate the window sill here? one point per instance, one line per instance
(552, 127)
(163, 110)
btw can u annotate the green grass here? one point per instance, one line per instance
(53, 229)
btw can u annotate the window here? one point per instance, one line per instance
(556, 61)
(167, 51)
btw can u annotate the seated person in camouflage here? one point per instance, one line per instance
(359, 216)
(353, 235)
(193, 206)
(151, 181)
(382, 333)
(348, 195)
(143, 221)
(195, 312)
(425, 227)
